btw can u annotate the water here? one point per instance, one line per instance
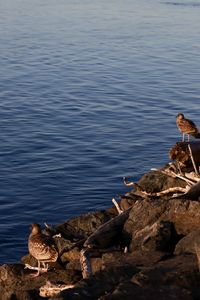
(89, 91)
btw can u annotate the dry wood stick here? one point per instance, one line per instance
(174, 175)
(27, 266)
(165, 192)
(192, 159)
(130, 183)
(192, 176)
(117, 206)
(158, 194)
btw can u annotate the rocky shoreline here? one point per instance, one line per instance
(152, 253)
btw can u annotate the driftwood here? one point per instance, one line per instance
(69, 248)
(27, 266)
(105, 233)
(181, 153)
(192, 159)
(193, 193)
(85, 263)
(192, 176)
(169, 172)
(119, 210)
(51, 289)
(101, 238)
(144, 193)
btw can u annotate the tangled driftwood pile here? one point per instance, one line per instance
(147, 246)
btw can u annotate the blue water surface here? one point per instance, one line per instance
(89, 91)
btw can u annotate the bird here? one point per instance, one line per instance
(41, 247)
(187, 126)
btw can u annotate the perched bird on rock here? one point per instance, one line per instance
(41, 247)
(187, 126)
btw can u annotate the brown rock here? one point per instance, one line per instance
(172, 278)
(83, 225)
(187, 243)
(153, 237)
(73, 254)
(17, 283)
(156, 181)
(127, 291)
(185, 216)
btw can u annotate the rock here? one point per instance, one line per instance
(123, 279)
(156, 181)
(119, 258)
(187, 243)
(185, 216)
(71, 255)
(154, 237)
(17, 283)
(127, 291)
(83, 225)
(181, 154)
(109, 233)
(127, 201)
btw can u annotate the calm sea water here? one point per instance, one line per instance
(89, 91)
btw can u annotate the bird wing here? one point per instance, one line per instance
(187, 126)
(42, 248)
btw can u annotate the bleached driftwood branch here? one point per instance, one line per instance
(192, 176)
(126, 183)
(51, 289)
(192, 193)
(177, 189)
(172, 190)
(27, 266)
(117, 206)
(52, 231)
(171, 173)
(192, 159)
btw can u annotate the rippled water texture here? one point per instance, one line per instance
(89, 91)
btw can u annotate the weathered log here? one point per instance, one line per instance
(193, 193)
(85, 263)
(51, 289)
(181, 153)
(103, 236)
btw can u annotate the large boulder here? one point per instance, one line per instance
(183, 215)
(156, 181)
(17, 283)
(82, 226)
(143, 275)
(188, 244)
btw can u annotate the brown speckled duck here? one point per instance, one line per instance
(187, 126)
(41, 247)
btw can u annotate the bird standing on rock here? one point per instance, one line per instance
(187, 126)
(41, 247)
